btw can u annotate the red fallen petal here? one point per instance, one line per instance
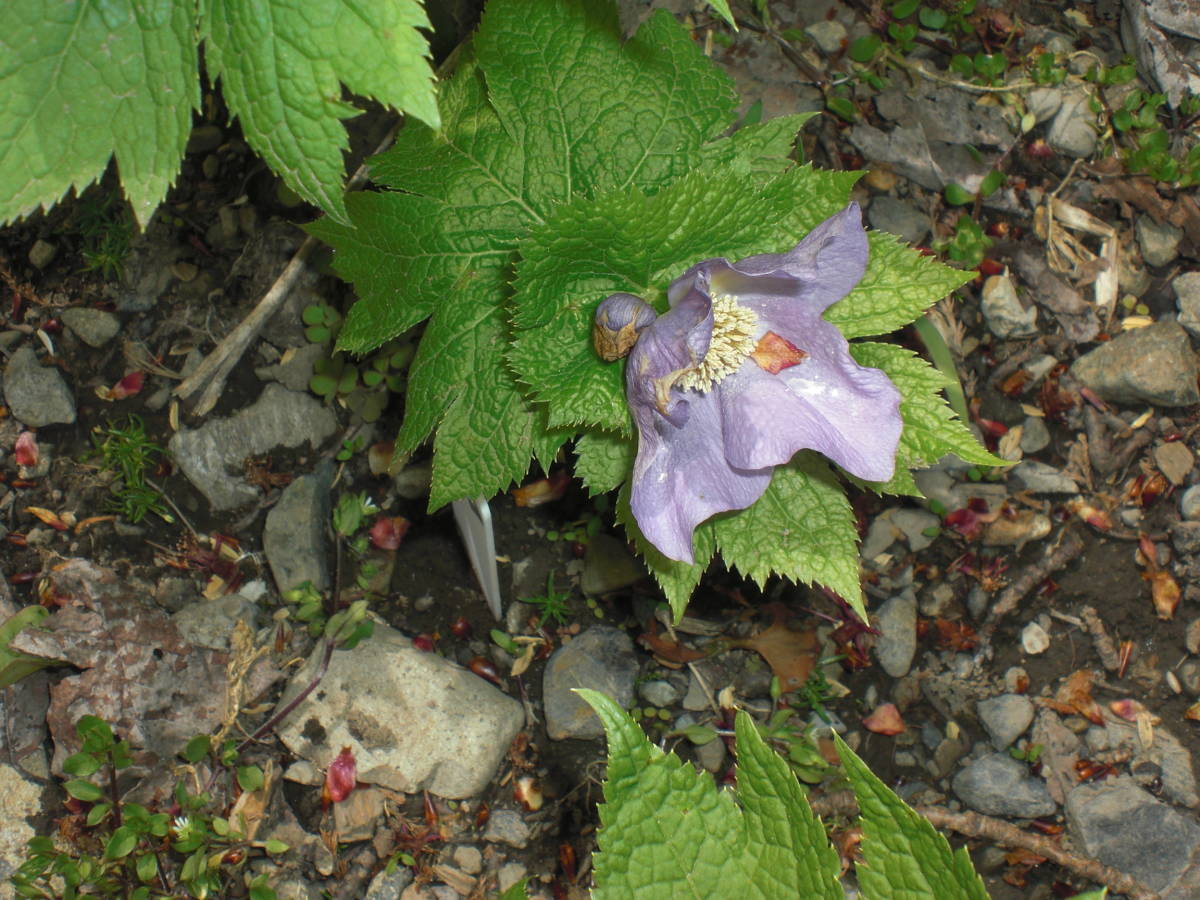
(1127, 709)
(128, 386)
(989, 267)
(544, 490)
(26, 450)
(389, 531)
(885, 720)
(775, 353)
(341, 777)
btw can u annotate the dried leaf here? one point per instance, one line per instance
(544, 490)
(1076, 694)
(790, 654)
(668, 652)
(53, 519)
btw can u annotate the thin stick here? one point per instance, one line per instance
(212, 372)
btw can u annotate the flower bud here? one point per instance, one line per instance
(620, 318)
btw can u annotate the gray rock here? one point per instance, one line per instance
(602, 659)
(609, 566)
(711, 756)
(1154, 365)
(946, 115)
(1189, 503)
(295, 537)
(1154, 30)
(828, 35)
(22, 801)
(1006, 315)
(1185, 537)
(1123, 826)
(1187, 299)
(37, 395)
(897, 624)
(506, 826)
(1043, 102)
(998, 785)
(210, 623)
(913, 523)
(1006, 717)
(1036, 436)
(42, 253)
(296, 369)
(1072, 132)
(1040, 478)
(1165, 760)
(414, 720)
(900, 218)
(468, 858)
(510, 873)
(658, 693)
(212, 456)
(95, 327)
(1159, 240)
(389, 885)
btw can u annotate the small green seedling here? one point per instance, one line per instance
(553, 606)
(125, 450)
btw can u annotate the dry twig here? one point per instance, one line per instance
(1069, 547)
(210, 375)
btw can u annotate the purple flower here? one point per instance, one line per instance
(741, 373)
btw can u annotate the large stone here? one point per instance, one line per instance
(1187, 299)
(413, 720)
(900, 218)
(1154, 365)
(602, 659)
(1125, 827)
(1073, 131)
(213, 455)
(295, 537)
(37, 395)
(998, 785)
(1006, 717)
(1159, 240)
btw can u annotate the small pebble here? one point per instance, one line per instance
(1189, 503)
(1191, 637)
(1034, 639)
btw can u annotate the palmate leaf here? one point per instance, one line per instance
(553, 105)
(281, 64)
(83, 82)
(667, 831)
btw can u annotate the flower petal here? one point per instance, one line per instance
(681, 475)
(828, 403)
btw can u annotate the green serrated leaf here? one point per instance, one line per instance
(627, 241)
(667, 830)
(81, 83)
(898, 286)
(802, 528)
(282, 64)
(931, 429)
(721, 8)
(904, 855)
(603, 460)
(763, 149)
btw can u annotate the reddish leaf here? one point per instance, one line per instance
(340, 778)
(544, 490)
(26, 450)
(389, 531)
(668, 652)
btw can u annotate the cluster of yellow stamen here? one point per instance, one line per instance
(732, 341)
